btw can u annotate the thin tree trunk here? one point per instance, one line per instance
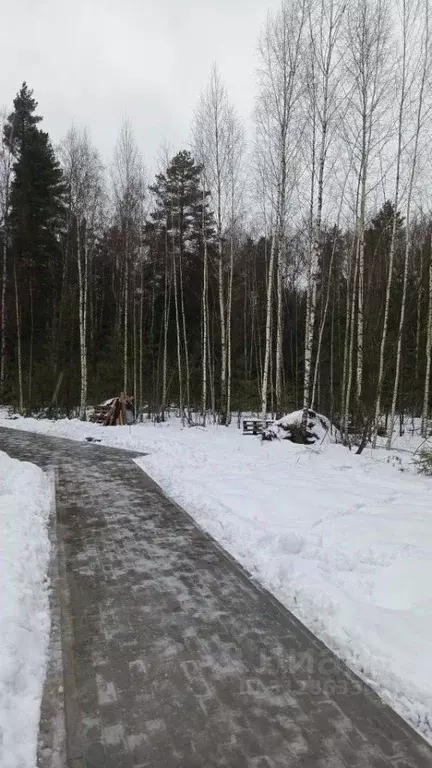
(177, 320)
(141, 344)
(360, 294)
(185, 340)
(279, 334)
(350, 353)
(407, 231)
(210, 356)
(331, 413)
(30, 375)
(126, 312)
(205, 317)
(393, 239)
(350, 318)
(135, 345)
(3, 311)
(153, 397)
(312, 291)
(268, 344)
(245, 322)
(223, 414)
(308, 352)
(81, 246)
(418, 320)
(19, 348)
(229, 329)
(427, 381)
(280, 250)
(329, 284)
(317, 234)
(167, 296)
(306, 374)
(323, 322)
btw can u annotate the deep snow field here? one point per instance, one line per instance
(344, 541)
(25, 502)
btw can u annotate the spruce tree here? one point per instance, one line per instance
(35, 224)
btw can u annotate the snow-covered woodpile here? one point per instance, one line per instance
(116, 411)
(290, 427)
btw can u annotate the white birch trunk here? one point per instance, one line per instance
(322, 58)
(349, 368)
(126, 313)
(229, 324)
(185, 341)
(222, 331)
(312, 291)
(178, 332)
(135, 345)
(210, 358)
(367, 56)
(360, 293)
(205, 314)
(327, 302)
(279, 333)
(167, 298)
(322, 325)
(427, 381)
(268, 340)
(141, 345)
(407, 231)
(418, 318)
(82, 311)
(393, 238)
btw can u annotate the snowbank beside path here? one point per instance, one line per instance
(25, 500)
(344, 541)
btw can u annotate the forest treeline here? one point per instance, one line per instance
(284, 267)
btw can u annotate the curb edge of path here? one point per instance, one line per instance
(51, 744)
(72, 716)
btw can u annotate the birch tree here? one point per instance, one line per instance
(427, 379)
(323, 76)
(205, 312)
(83, 174)
(414, 23)
(281, 48)
(236, 146)
(402, 89)
(367, 62)
(217, 140)
(128, 187)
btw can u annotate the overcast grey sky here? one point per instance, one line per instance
(96, 61)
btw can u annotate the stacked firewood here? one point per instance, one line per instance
(114, 412)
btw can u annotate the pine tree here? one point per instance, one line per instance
(35, 223)
(177, 221)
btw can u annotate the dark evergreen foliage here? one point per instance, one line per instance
(35, 228)
(42, 250)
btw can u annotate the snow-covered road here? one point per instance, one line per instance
(25, 501)
(345, 542)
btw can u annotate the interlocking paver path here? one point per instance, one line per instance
(173, 657)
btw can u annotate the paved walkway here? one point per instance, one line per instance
(172, 657)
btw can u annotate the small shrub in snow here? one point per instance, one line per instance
(423, 461)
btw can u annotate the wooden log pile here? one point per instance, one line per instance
(114, 412)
